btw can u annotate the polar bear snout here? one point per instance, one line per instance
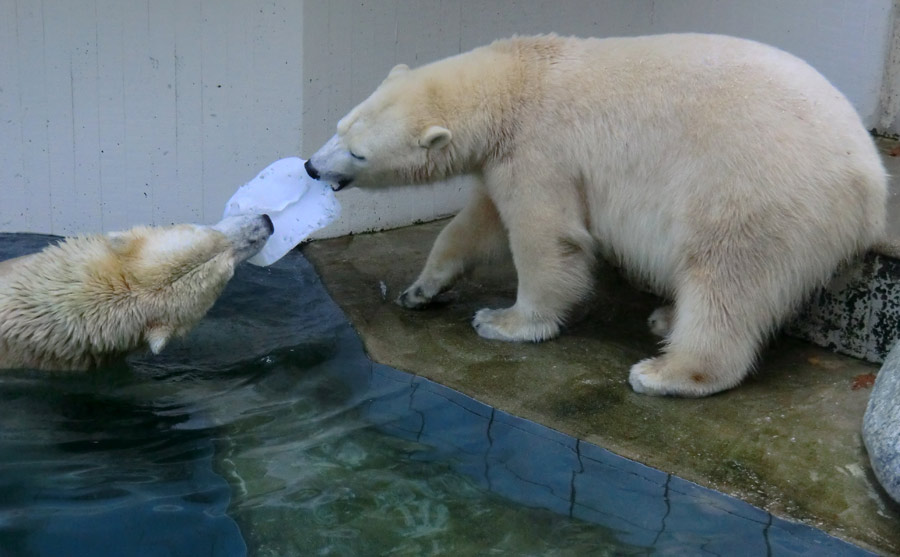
(247, 234)
(334, 164)
(336, 181)
(311, 170)
(342, 182)
(269, 226)
(255, 234)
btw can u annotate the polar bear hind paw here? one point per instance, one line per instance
(511, 325)
(658, 377)
(661, 320)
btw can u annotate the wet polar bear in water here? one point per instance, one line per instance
(728, 175)
(88, 299)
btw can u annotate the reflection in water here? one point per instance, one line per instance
(87, 471)
(325, 475)
(269, 429)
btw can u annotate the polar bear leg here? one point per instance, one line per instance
(709, 348)
(555, 259)
(474, 235)
(551, 284)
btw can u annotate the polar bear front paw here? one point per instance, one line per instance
(511, 325)
(415, 297)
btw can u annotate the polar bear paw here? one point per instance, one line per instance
(660, 321)
(416, 296)
(653, 377)
(512, 325)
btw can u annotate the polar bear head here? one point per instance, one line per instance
(400, 134)
(76, 304)
(176, 273)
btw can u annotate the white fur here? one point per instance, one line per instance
(728, 175)
(74, 305)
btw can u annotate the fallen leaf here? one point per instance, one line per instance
(827, 364)
(863, 381)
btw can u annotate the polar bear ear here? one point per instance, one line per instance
(397, 70)
(157, 338)
(435, 137)
(117, 241)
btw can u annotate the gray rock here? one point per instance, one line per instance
(857, 312)
(881, 425)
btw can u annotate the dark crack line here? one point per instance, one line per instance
(451, 401)
(621, 469)
(487, 460)
(662, 528)
(532, 433)
(421, 414)
(617, 517)
(707, 551)
(575, 473)
(713, 503)
(544, 487)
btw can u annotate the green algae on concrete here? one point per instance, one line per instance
(787, 440)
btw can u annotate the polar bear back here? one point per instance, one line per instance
(683, 140)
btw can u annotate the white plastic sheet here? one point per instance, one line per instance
(297, 205)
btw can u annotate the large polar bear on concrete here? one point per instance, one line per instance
(728, 175)
(88, 299)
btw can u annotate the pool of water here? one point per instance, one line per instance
(269, 432)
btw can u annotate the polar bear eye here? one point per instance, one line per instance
(357, 157)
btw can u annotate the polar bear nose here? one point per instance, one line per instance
(311, 170)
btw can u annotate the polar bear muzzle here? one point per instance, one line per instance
(337, 182)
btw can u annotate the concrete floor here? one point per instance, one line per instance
(787, 440)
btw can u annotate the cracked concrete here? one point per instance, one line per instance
(787, 440)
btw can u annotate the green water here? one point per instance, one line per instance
(311, 476)
(269, 432)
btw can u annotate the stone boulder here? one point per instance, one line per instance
(881, 425)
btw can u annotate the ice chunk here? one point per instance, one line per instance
(297, 205)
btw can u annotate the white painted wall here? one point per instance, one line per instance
(119, 112)
(350, 45)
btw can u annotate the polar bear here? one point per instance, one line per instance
(77, 304)
(727, 175)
